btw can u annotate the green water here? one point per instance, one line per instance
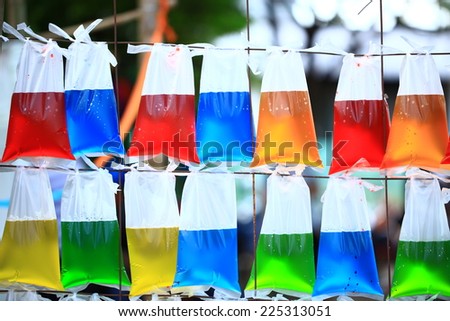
(90, 254)
(284, 262)
(421, 268)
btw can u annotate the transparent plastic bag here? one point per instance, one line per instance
(29, 250)
(90, 232)
(346, 264)
(207, 244)
(361, 116)
(285, 116)
(224, 119)
(422, 264)
(419, 135)
(152, 222)
(37, 121)
(285, 250)
(165, 123)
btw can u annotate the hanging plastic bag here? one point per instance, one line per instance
(286, 132)
(37, 121)
(29, 250)
(166, 120)
(418, 136)
(152, 222)
(423, 252)
(224, 120)
(207, 244)
(346, 263)
(91, 107)
(285, 250)
(90, 237)
(361, 116)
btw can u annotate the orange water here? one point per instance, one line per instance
(418, 135)
(286, 132)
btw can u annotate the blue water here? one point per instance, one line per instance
(225, 127)
(92, 122)
(208, 258)
(346, 264)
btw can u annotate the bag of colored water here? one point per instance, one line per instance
(285, 252)
(37, 121)
(361, 116)
(91, 107)
(422, 264)
(90, 232)
(346, 264)
(286, 133)
(152, 222)
(224, 120)
(418, 136)
(29, 250)
(207, 244)
(165, 123)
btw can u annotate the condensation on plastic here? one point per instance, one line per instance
(423, 252)
(166, 119)
(90, 232)
(285, 250)
(152, 223)
(37, 123)
(207, 245)
(224, 120)
(361, 116)
(285, 115)
(418, 136)
(29, 250)
(92, 119)
(346, 262)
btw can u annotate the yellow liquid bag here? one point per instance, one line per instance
(152, 231)
(29, 251)
(419, 135)
(286, 133)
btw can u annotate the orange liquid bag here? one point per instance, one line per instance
(419, 134)
(286, 133)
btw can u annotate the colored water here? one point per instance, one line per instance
(165, 125)
(29, 253)
(346, 264)
(208, 258)
(90, 254)
(418, 134)
(153, 258)
(224, 127)
(286, 131)
(284, 262)
(421, 268)
(361, 129)
(92, 122)
(37, 127)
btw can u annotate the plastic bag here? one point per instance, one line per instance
(418, 136)
(29, 250)
(423, 252)
(207, 245)
(37, 121)
(286, 132)
(90, 233)
(361, 116)
(224, 120)
(445, 163)
(91, 107)
(152, 222)
(346, 263)
(285, 250)
(166, 120)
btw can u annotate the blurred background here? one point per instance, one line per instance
(349, 25)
